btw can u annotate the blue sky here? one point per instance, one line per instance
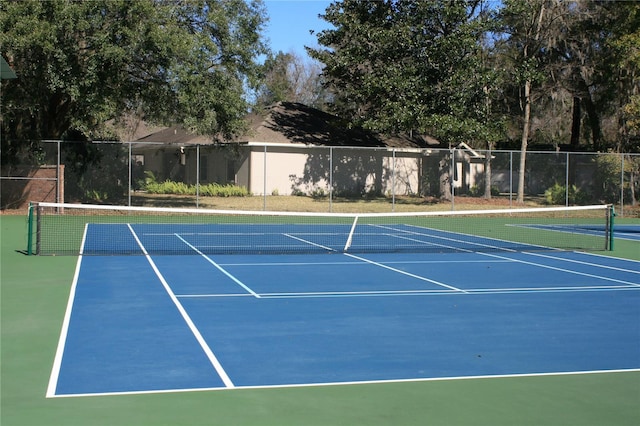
(290, 22)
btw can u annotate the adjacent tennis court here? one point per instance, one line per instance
(333, 300)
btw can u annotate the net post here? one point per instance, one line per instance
(38, 228)
(30, 229)
(611, 214)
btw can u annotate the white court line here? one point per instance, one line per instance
(347, 262)
(622, 259)
(404, 272)
(220, 268)
(498, 240)
(57, 362)
(540, 265)
(597, 265)
(569, 271)
(203, 344)
(310, 242)
(363, 382)
(381, 265)
(377, 293)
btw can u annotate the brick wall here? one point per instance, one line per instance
(39, 187)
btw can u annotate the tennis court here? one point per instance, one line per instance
(362, 300)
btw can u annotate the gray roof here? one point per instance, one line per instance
(176, 135)
(295, 123)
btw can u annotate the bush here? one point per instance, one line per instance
(607, 178)
(206, 190)
(476, 191)
(557, 194)
(318, 193)
(217, 190)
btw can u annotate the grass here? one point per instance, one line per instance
(34, 294)
(324, 204)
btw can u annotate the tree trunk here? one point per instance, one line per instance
(593, 118)
(632, 179)
(487, 172)
(525, 140)
(527, 115)
(575, 124)
(575, 140)
(445, 177)
(594, 123)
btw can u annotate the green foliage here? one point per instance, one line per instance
(277, 86)
(557, 194)
(403, 65)
(318, 193)
(476, 191)
(607, 178)
(217, 190)
(632, 117)
(206, 190)
(95, 172)
(81, 63)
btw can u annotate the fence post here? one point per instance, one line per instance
(58, 176)
(129, 189)
(264, 180)
(510, 178)
(452, 175)
(197, 175)
(330, 179)
(566, 182)
(621, 184)
(393, 181)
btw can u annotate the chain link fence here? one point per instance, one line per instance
(135, 173)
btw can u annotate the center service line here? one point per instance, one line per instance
(220, 268)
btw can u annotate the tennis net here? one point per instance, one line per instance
(71, 229)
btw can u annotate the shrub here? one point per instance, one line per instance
(207, 190)
(218, 190)
(557, 194)
(476, 191)
(318, 193)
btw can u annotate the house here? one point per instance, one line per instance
(290, 148)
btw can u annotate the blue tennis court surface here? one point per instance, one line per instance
(165, 323)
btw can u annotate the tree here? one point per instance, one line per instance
(529, 29)
(81, 63)
(567, 58)
(397, 66)
(623, 66)
(288, 77)
(593, 59)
